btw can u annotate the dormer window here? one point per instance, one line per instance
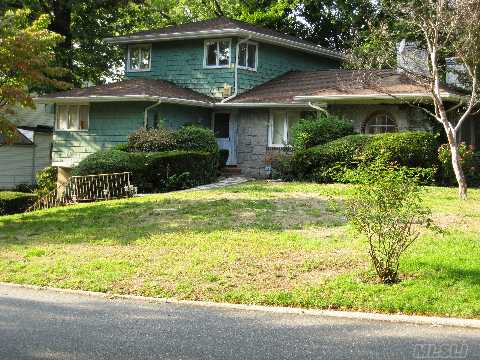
(217, 53)
(247, 56)
(139, 57)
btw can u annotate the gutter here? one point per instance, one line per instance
(145, 118)
(237, 49)
(319, 108)
(393, 97)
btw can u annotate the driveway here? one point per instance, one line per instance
(50, 325)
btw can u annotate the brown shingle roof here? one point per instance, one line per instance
(223, 23)
(134, 87)
(330, 83)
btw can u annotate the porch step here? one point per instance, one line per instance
(231, 170)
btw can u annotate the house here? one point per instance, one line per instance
(31, 150)
(249, 84)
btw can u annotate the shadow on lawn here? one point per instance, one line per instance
(124, 222)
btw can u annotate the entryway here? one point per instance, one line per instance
(225, 130)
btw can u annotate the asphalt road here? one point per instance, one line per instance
(47, 325)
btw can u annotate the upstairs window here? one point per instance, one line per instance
(139, 58)
(217, 53)
(380, 123)
(72, 117)
(247, 56)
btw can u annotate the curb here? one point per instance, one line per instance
(349, 315)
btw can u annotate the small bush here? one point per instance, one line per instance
(121, 147)
(223, 155)
(152, 140)
(15, 202)
(312, 132)
(389, 211)
(194, 138)
(469, 161)
(46, 180)
(154, 171)
(410, 149)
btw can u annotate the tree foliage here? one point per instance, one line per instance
(26, 52)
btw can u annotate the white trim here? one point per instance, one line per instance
(392, 97)
(261, 105)
(246, 67)
(91, 99)
(270, 129)
(271, 39)
(217, 57)
(128, 68)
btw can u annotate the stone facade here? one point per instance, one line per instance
(254, 155)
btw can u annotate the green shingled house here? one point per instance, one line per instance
(249, 84)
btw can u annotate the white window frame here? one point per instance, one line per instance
(246, 67)
(285, 127)
(205, 53)
(149, 46)
(68, 116)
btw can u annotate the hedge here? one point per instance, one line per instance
(156, 171)
(329, 162)
(12, 202)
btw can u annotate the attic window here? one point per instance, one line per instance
(217, 53)
(139, 58)
(247, 56)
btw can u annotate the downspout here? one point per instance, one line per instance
(319, 108)
(147, 109)
(237, 48)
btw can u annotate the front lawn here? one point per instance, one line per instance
(263, 243)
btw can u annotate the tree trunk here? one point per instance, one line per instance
(456, 164)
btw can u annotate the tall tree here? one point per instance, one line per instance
(445, 28)
(26, 54)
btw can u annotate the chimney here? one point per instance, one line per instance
(411, 58)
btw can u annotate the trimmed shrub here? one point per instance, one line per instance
(15, 202)
(328, 162)
(121, 147)
(410, 149)
(469, 161)
(155, 171)
(194, 138)
(109, 161)
(46, 180)
(151, 140)
(312, 132)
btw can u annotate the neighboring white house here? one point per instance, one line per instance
(32, 149)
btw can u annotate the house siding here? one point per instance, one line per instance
(111, 123)
(181, 62)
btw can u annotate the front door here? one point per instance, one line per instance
(224, 129)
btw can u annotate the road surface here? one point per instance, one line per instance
(41, 324)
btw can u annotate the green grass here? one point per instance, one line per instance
(263, 243)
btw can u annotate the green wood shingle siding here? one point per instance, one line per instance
(174, 116)
(110, 124)
(181, 62)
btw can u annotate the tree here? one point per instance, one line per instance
(26, 52)
(445, 28)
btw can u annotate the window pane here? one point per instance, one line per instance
(278, 128)
(242, 55)
(73, 117)
(134, 58)
(221, 126)
(381, 123)
(252, 56)
(145, 58)
(62, 117)
(83, 117)
(212, 54)
(224, 53)
(293, 119)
